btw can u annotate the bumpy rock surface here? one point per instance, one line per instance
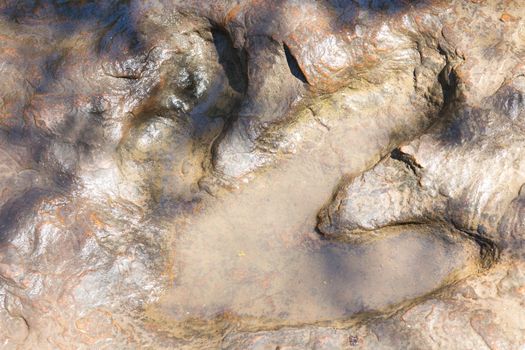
(260, 174)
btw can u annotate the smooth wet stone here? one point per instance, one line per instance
(307, 281)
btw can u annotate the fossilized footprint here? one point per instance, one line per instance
(468, 171)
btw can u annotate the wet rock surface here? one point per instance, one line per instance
(262, 174)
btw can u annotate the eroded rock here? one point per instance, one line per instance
(164, 165)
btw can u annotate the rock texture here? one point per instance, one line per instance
(259, 174)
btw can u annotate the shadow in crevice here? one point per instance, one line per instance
(293, 65)
(232, 60)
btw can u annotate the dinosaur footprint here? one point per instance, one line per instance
(467, 171)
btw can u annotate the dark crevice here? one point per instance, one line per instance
(448, 80)
(232, 60)
(410, 161)
(294, 65)
(488, 250)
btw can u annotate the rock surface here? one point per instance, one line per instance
(260, 174)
